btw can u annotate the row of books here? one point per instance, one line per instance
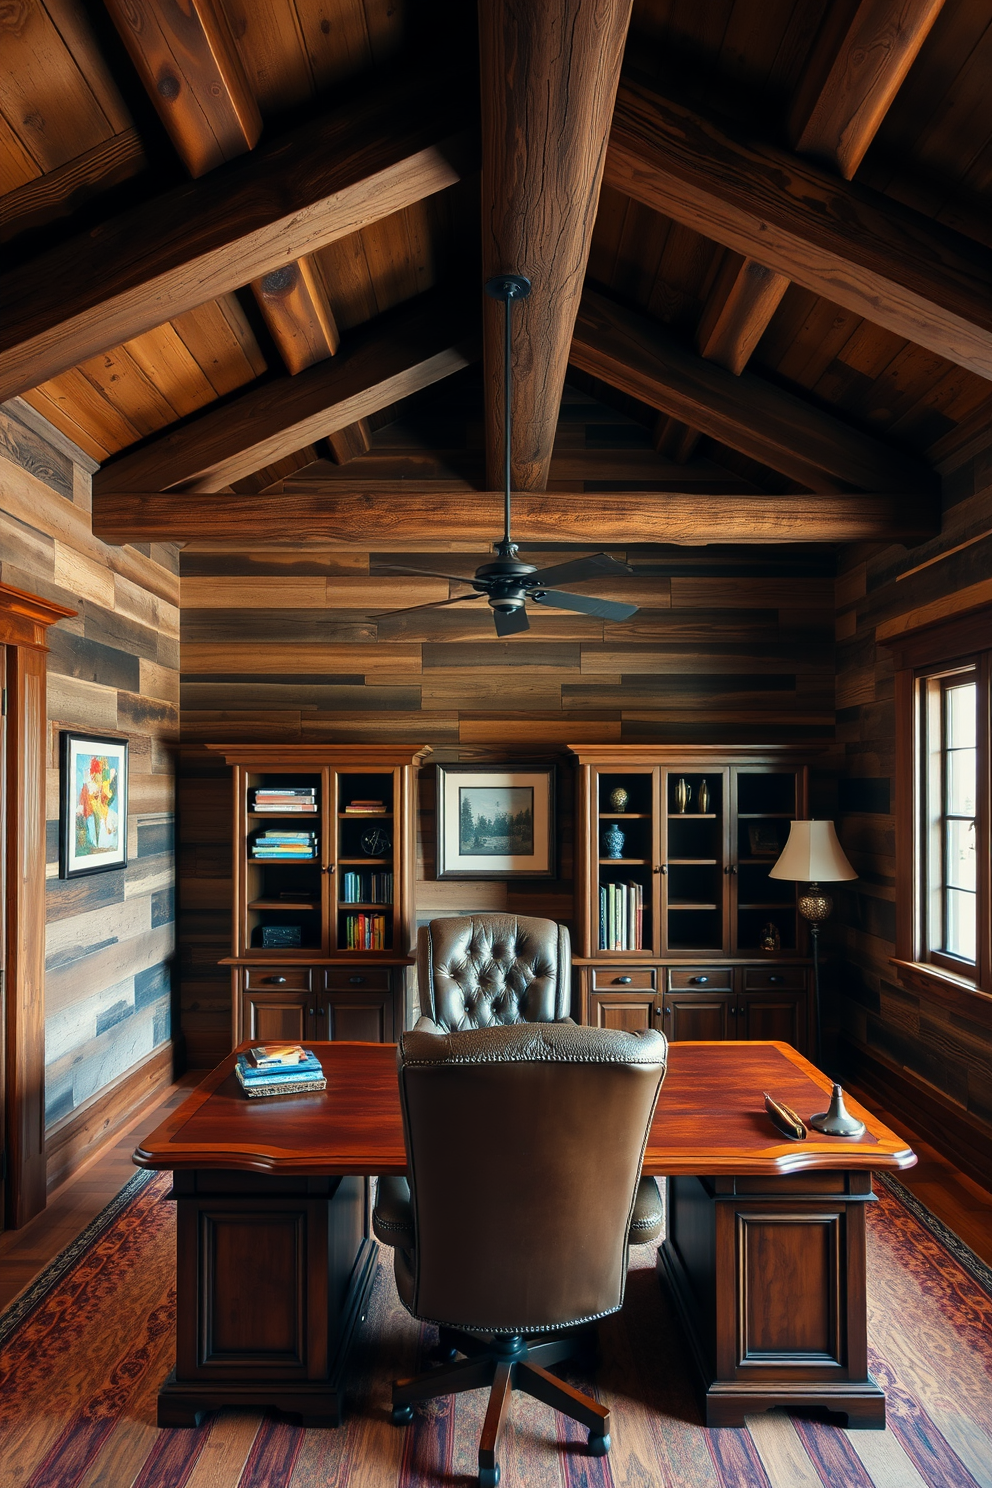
(367, 888)
(274, 843)
(365, 932)
(365, 808)
(282, 799)
(279, 1069)
(621, 916)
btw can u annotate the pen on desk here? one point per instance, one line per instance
(785, 1119)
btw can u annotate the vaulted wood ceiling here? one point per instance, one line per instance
(244, 239)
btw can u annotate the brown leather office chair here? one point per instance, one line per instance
(477, 970)
(524, 1149)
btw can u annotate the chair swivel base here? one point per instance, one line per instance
(507, 1363)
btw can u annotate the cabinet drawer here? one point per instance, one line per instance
(771, 978)
(613, 978)
(700, 978)
(277, 978)
(348, 978)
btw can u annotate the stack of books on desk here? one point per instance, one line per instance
(281, 799)
(279, 1069)
(276, 844)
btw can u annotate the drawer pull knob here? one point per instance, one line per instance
(774, 978)
(275, 981)
(624, 981)
(668, 1012)
(310, 1011)
(356, 981)
(702, 980)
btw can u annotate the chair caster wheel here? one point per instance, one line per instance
(402, 1415)
(599, 1445)
(488, 1476)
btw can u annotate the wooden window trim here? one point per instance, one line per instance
(951, 644)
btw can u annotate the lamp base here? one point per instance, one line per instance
(837, 1121)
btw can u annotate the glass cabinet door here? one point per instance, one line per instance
(285, 834)
(695, 842)
(366, 866)
(626, 900)
(763, 909)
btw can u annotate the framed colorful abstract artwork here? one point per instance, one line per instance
(93, 804)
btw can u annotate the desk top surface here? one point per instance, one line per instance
(710, 1119)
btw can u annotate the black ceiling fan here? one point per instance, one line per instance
(508, 583)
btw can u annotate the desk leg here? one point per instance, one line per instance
(768, 1278)
(273, 1276)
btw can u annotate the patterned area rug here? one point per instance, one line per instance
(82, 1354)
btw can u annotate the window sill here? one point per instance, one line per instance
(943, 986)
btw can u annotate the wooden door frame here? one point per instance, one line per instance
(24, 621)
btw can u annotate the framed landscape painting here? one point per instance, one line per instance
(495, 823)
(93, 804)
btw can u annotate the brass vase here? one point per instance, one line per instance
(703, 799)
(683, 794)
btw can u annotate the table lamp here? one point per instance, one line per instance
(813, 855)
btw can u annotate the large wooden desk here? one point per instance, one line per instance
(765, 1254)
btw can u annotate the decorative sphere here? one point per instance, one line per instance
(619, 799)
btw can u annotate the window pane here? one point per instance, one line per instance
(961, 782)
(961, 714)
(961, 856)
(962, 939)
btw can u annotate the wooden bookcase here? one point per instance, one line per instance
(321, 942)
(683, 951)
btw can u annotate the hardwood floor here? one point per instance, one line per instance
(25, 1252)
(964, 1206)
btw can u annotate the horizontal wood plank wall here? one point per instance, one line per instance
(729, 645)
(114, 669)
(936, 1061)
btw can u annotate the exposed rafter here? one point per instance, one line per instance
(857, 64)
(401, 143)
(860, 249)
(401, 520)
(389, 358)
(544, 140)
(188, 61)
(638, 357)
(296, 311)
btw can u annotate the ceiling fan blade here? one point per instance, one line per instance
(587, 604)
(431, 572)
(434, 605)
(512, 623)
(579, 568)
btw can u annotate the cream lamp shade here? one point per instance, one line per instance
(812, 855)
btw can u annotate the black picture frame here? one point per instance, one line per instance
(103, 836)
(453, 781)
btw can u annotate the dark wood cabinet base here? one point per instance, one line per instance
(273, 1277)
(768, 1279)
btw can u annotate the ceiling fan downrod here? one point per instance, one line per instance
(507, 287)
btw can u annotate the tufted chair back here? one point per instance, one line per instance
(475, 971)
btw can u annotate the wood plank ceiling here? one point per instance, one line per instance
(245, 239)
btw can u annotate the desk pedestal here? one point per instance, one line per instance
(272, 1280)
(768, 1278)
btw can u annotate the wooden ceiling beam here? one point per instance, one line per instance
(346, 444)
(189, 64)
(638, 357)
(858, 62)
(301, 322)
(402, 520)
(549, 80)
(397, 354)
(855, 69)
(858, 248)
(319, 183)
